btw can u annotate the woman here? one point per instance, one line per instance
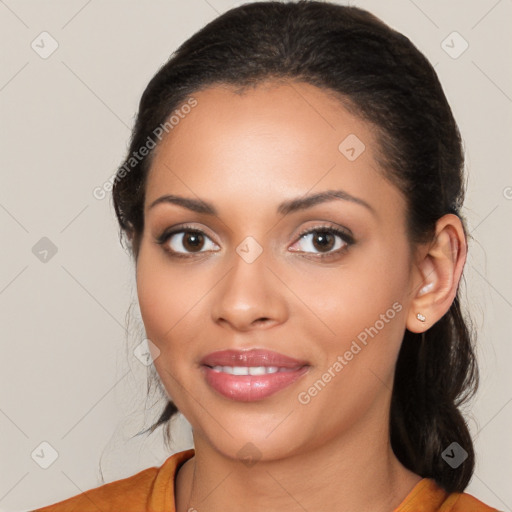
(292, 201)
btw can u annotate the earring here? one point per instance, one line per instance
(420, 317)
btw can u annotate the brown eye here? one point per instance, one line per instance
(183, 242)
(192, 241)
(323, 241)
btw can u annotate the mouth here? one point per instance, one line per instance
(251, 375)
(254, 358)
(250, 370)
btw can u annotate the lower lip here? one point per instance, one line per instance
(249, 388)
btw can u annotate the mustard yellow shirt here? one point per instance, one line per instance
(152, 490)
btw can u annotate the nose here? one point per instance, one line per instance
(249, 296)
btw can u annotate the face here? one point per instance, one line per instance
(325, 282)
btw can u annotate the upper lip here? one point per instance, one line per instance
(252, 357)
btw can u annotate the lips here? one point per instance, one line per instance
(254, 357)
(251, 375)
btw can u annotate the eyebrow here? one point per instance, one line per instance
(286, 207)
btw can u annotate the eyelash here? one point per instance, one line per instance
(346, 237)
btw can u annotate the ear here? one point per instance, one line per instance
(437, 274)
(129, 231)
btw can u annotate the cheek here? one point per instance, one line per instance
(172, 304)
(168, 295)
(358, 364)
(341, 302)
(359, 315)
(171, 322)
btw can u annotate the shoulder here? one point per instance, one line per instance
(428, 496)
(464, 502)
(135, 493)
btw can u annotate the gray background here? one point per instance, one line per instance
(68, 373)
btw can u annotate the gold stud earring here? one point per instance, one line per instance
(420, 317)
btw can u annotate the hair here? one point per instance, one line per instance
(379, 75)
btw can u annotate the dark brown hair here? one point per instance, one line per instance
(378, 74)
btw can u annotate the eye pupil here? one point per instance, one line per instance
(326, 240)
(193, 240)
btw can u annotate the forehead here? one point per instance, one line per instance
(280, 113)
(270, 141)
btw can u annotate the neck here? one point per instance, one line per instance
(355, 472)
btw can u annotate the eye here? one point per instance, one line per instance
(185, 241)
(192, 240)
(327, 240)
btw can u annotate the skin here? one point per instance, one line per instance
(246, 153)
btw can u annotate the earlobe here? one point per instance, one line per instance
(439, 274)
(419, 318)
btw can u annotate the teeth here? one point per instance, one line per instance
(248, 370)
